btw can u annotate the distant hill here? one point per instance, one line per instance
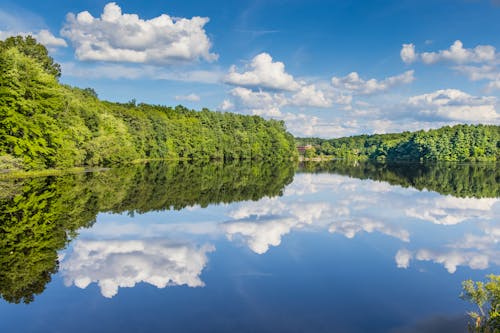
(459, 143)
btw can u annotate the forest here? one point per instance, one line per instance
(45, 124)
(40, 216)
(459, 143)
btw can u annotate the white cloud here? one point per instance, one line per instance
(269, 104)
(190, 98)
(226, 105)
(124, 263)
(490, 73)
(479, 63)
(301, 124)
(408, 54)
(494, 85)
(352, 82)
(452, 104)
(127, 38)
(258, 102)
(43, 36)
(309, 95)
(477, 73)
(456, 54)
(263, 72)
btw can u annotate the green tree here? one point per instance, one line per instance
(486, 297)
(31, 48)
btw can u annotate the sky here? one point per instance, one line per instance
(327, 68)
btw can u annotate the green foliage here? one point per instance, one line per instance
(44, 124)
(478, 180)
(486, 296)
(39, 216)
(31, 48)
(460, 143)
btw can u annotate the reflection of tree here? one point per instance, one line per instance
(40, 216)
(478, 180)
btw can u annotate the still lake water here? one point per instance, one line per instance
(337, 247)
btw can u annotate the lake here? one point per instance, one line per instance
(332, 247)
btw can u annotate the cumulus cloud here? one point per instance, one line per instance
(189, 98)
(258, 102)
(479, 63)
(268, 104)
(309, 95)
(456, 54)
(115, 264)
(453, 104)
(119, 37)
(354, 83)
(477, 73)
(43, 36)
(263, 72)
(408, 54)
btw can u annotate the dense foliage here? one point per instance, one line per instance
(40, 216)
(486, 296)
(44, 124)
(478, 180)
(458, 143)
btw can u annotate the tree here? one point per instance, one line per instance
(31, 48)
(486, 296)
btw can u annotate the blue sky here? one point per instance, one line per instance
(328, 68)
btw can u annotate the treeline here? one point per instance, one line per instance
(44, 124)
(459, 143)
(39, 216)
(476, 180)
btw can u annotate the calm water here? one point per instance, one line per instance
(247, 248)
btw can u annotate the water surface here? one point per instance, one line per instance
(338, 247)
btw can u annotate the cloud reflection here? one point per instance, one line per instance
(124, 263)
(262, 224)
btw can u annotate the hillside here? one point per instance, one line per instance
(45, 124)
(459, 143)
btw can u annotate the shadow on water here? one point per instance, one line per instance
(40, 216)
(476, 180)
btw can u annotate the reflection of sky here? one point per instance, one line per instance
(333, 254)
(120, 251)
(123, 263)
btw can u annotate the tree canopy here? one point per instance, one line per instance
(44, 124)
(459, 143)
